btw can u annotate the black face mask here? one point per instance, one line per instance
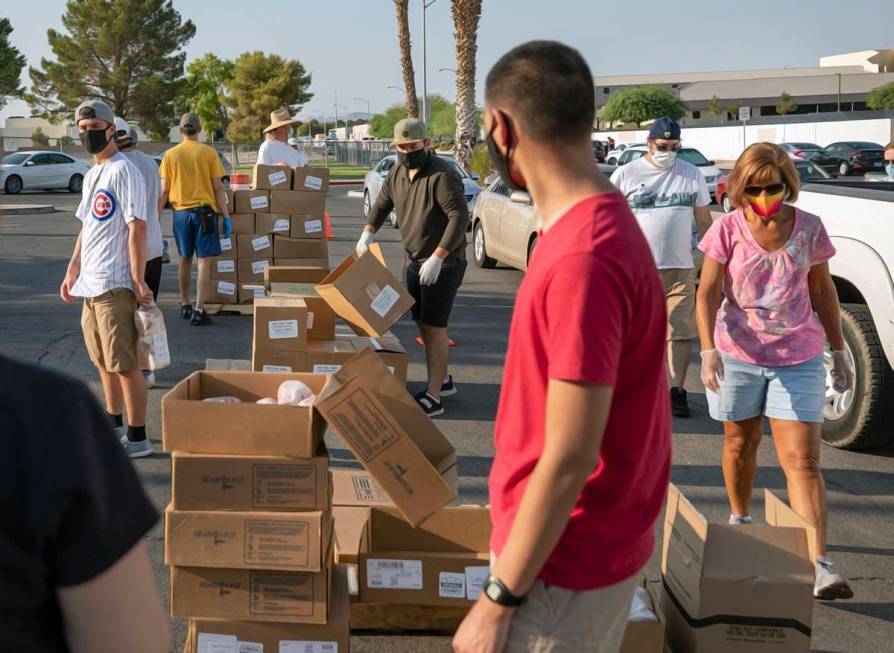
(412, 160)
(500, 160)
(95, 140)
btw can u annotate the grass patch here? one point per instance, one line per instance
(336, 170)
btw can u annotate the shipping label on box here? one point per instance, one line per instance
(251, 270)
(223, 269)
(254, 246)
(252, 201)
(280, 324)
(307, 226)
(228, 248)
(273, 223)
(222, 292)
(288, 362)
(311, 179)
(299, 248)
(272, 177)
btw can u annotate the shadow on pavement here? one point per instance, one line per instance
(883, 611)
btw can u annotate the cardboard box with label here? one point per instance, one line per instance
(280, 362)
(223, 292)
(250, 594)
(390, 435)
(307, 226)
(253, 201)
(269, 483)
(251, 291)
(246, 428)
(302, 262)
(327, 356)
(445, 561)
(223, 269)
(273, 223)
(296, 202)
(311, 179)
(254, 246)
(357, 487)
(257, 637)
(284, 247)
(227, 365)
(228, 248)
(737, 589)
(251, 270)
(240, 224)
(286, 541)
(272, 177)
(280, 324)
(365, 293)
(301, 282)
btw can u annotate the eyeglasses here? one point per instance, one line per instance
(770, 189)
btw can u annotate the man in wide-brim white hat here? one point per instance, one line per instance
(274, 150)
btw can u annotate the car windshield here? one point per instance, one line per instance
(693, 156)
(14, 159)
(807, 171)
(863, 145)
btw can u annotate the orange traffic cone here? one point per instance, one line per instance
(328, 224)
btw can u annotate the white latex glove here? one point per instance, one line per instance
(366, 238)
(712, 369)
(842, 372)
(430, 270)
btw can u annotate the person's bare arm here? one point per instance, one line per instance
(136, 248)
(72, 272)
(824, 297)
(708, 299)
(703, 219)
(163, 195)
(220, 196)
(119, 610)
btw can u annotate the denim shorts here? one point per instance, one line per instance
(793, 392)
(189, 237)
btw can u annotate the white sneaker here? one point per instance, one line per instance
(739, 520)
(830, 585)
(138, 449)
(121, 433)
(150, 379)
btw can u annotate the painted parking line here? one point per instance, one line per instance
(355, 193)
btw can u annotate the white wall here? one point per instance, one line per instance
(727, 142)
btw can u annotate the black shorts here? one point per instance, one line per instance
(434, 303)
(153, 275)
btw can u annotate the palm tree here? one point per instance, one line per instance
(406, 61)
(466, 15)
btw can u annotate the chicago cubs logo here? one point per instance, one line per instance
(104, 205)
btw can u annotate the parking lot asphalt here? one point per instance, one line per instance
(36, 326)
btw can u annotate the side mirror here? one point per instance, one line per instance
(711, 162)
(475, 176)
(29, 163)
(520, 197)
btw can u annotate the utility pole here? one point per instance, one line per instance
(336, 115)
(425, 5)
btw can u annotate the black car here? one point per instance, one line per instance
(851, 158)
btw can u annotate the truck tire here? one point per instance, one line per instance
(866, 421)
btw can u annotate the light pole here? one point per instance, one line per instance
(425, 5)
(451, 70)
(362, 99)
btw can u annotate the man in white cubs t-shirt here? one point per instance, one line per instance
(275, 150)
(666, 194)
(106, 270)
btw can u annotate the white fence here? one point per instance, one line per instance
(727, 142)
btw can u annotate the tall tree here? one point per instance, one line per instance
(641, 103)
(127, 53)
(204, 92)
(882, 97)
(262, 83)
(786, 104)
(715, 108)
(11, 64)
(466, 16)
(406, 60)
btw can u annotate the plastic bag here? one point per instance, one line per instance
(266, 401)
(222, 400)
(292, 393)
(641, 607)
(152, 339)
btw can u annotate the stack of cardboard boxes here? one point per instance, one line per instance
(249, 531)
(279, 221)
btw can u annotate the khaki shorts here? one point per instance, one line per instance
(556, 620)
(679, 292)
(109, 330)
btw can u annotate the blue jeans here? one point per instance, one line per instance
(189, 237)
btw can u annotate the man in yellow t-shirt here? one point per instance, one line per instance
(191, 179)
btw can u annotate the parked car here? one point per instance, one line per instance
(851, 157)
(803, 150)
(375, 178)
(808, 171)
(41, 170)
(689, 154)
(615, 154)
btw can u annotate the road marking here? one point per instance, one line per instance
(355, 193)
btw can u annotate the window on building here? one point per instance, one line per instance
(860, 106)
(696, 115)
(606, 90)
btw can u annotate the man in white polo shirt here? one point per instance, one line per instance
(275, 150)
(106, 270)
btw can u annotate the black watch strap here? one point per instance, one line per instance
(496, 591)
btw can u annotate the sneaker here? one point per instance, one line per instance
(830, 585)
(200, 318)
(679, 403)
(150, 379)
(739, 520)
(165, 251)
(185, 311)
(429, 404)
(121, 434)
(448, 388)
(139, 449)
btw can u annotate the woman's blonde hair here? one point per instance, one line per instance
(755, 167)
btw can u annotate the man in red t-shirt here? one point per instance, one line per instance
(583, 427)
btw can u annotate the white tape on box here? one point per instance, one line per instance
(259, 202)
(394, 574)
(260, 243)
(226, 266)
(281, 224)
(226, 288)
(310, 321)
(475, 579)
(314, 183)
(276, 178)
(353, 579)
(282, 329)
(258, 267)
(213, 643)
(313, 226)
(385, 301)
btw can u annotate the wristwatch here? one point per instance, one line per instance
(496, 591)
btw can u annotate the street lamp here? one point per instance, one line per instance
(397, 88)
(451, 70)
(361, 99)
(425, 5)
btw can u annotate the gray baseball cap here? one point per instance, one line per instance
(409, 130)
(190, 120)
(89, 109)
(132, 133)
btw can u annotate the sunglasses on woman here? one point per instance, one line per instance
(770, 189)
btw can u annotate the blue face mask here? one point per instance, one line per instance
(890, 170)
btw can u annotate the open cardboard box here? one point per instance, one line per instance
(737, 589)
(357, 487)
(390, 435)
(365, 293)
(327, 356)
(646, 636)
(189, 424)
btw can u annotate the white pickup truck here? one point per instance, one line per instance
(859, 217)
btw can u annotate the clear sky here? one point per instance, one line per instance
(350, 46)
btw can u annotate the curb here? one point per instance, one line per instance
(345, 182)
(25, 209)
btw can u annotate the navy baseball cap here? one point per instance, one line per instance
(666, 128)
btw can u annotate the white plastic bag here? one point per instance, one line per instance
(292, 393)
(641, 607)
(152, 338)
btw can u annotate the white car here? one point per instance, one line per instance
(612, 157)
(689, 154)
(375, 179)
(41, 171)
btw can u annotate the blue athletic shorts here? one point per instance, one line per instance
(793, 392)
(189, 237)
